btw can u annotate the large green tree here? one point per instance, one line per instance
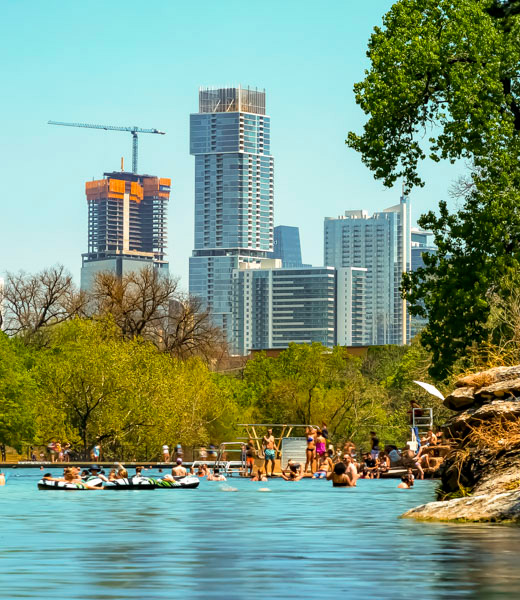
(444, 82)
(18, 395)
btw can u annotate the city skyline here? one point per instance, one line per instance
(311, 123)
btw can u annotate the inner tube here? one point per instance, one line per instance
(188, 482)
(46, 484)
(133, 483)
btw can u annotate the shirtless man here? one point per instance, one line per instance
(216, 476)
(179, 470)
(351, 471)
(269, 451)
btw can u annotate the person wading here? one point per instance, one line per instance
(269, 451)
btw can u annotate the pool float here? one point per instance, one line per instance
(47, 484)
(186, 482)
(132, 483)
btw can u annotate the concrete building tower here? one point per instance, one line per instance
(234, 196)
(381, 244)
(126, 224)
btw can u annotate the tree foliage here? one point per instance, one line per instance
(444, 83)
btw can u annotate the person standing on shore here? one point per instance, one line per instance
(268, 444)
(166, 453)
(311, 447)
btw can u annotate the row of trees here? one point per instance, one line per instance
(142, 304)
(82, 382)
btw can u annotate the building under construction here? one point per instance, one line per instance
(126, 224)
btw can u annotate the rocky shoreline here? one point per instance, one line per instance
(483, 468)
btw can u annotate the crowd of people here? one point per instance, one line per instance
(342, 464)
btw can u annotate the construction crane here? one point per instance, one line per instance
(133, 130)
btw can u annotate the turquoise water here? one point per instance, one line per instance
(301, 540)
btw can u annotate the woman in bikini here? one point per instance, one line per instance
(311, 448)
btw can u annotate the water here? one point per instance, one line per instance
(301, 540)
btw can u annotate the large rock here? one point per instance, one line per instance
(501, 389)
(460, 425)
(490, 507)
(460, 399)
(485, 378)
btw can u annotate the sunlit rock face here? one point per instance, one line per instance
(482, 508)
(484, 464)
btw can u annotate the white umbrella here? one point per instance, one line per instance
(431, 389)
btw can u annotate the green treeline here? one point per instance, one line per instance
(84, 383)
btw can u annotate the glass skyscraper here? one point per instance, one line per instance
(230, 139)
(287, 246)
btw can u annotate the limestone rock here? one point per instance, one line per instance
(500, 389)
(460, 399)
(485, 507)
(485, 378)
(460, 425)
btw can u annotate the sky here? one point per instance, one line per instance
(129, 62)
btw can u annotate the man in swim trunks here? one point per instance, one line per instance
(269, 451)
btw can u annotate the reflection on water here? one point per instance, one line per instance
(300, 540)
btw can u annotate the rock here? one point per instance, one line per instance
(500, 389)
(485, 378)
(460, 399)
(485, 507)
(460, 425)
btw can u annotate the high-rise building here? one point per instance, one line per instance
(381, 245)
(351, 307)
(231, 141)
(127, 216)
(287, 246)
(421, 244)
(273, 307)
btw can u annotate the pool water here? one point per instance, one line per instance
(300, 540)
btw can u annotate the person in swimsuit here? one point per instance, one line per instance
(321, 441)
(216, 476)
(294, 472)
(326, 465)
(269, 451)
(250, 457)
(311, 448)
(406, 483)
(339, 476)
(2, 478)
(259, 476)
(384, 464)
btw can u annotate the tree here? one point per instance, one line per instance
(32, 302)
(448, 71)
(186, 330)
(123, 393)
(136, 301)
(17, 395)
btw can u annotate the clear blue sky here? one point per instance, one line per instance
(125, 62)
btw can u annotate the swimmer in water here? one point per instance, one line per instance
(340, 477)
(2, 478)
(406, 483)
(216, 476)
(294, 473)
(259, 476)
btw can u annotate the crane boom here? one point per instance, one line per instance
(134, 130)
